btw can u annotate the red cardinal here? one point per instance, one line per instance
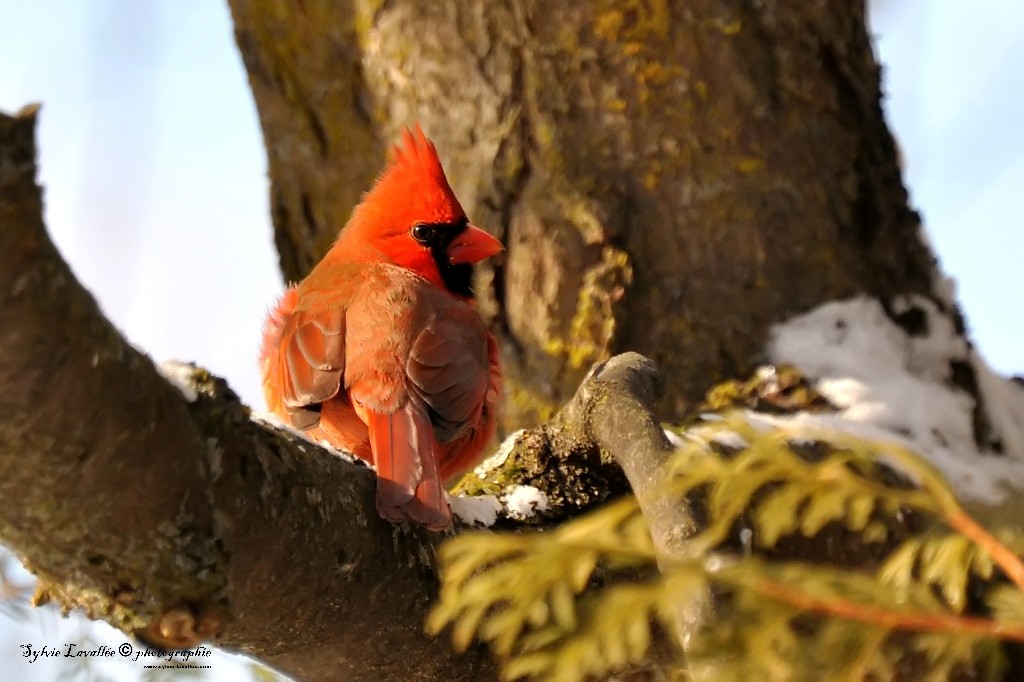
(381, 351)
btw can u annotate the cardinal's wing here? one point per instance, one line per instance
(302, 359)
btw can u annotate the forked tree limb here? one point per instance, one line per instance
(614, 407)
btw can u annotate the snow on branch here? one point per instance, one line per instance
(919, 383)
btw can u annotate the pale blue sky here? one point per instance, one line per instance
(155, 173)
(954, 74)
(154, 169)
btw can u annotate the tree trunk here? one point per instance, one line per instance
(670, 178)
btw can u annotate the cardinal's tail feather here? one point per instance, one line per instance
(404, 452)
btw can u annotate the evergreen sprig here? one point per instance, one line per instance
(590, 597)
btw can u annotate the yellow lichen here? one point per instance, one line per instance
(593, 326)
(749, 164)
(608, 24)
(366, 13)
(730, 28)
(578, 210)
(654, 73)
(618, 104)
(638, 21)
(631, 49)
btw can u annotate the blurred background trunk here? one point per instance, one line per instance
(670, 178)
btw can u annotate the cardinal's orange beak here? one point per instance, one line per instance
(472, 246)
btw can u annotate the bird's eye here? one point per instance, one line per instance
(423, 233)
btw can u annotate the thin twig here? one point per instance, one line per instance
(887, 618)
(960, 521)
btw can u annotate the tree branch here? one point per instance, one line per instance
(614, 408)
(184, 521)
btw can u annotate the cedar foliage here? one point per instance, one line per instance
(938, 592)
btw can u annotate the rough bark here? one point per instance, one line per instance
(183, 521)
(62, 431)
(670, 178)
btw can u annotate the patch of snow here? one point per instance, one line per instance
(975, 476)
(524, 501)
(707, 435)
(674, 438)
(478, 510)
(889, 385)
(1004, 405)
(760, 421)
(179, 374)
(730, 439)
(500, 455)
